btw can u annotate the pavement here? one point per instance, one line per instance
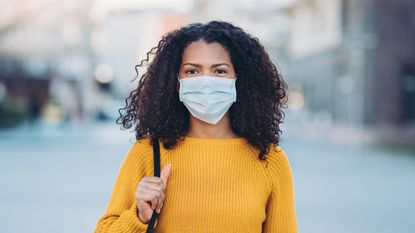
(59, 178)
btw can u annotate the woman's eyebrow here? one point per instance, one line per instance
(220, 64)
(198, 65)
(192, 64)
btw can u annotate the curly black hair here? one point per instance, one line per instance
(154, 107)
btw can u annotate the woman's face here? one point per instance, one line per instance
(200, 58)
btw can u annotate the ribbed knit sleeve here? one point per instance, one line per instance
(121, 214)
(280, 208)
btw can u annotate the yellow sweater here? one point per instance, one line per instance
(215, 185)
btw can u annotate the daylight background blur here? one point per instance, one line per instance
(349, 131)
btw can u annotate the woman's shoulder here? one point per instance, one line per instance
(141, 151)
(141, 144)
(278, 163)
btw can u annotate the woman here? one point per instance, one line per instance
(213, 98)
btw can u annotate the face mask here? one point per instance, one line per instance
(207, 98)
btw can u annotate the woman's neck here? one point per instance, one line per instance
(201, 129)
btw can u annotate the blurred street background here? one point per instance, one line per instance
(349, 131)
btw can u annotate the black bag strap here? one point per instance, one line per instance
(156, 159)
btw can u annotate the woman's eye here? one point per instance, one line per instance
(190, 71)
(221, 71)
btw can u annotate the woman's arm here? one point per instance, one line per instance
(121, 215)
(121, 221)
(280, 209)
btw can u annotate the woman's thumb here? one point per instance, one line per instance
(164, 174)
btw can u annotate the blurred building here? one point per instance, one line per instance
(354, 61)
(123, 33)
(263, 19)
(70, 60)
(45, 57)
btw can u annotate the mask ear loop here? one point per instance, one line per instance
(178, 77)
(178, 84)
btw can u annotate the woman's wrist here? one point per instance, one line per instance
(139, 217)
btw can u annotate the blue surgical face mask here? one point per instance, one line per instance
(207, 98)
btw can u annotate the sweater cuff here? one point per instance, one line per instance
(135, 220)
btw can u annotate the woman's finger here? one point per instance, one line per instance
(152, 179)
(153, 186)
(149, 196)
(160, 195)
(159, 209)
(160, 198)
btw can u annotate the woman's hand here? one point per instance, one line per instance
(150, 194)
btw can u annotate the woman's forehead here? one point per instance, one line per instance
(202, 52)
